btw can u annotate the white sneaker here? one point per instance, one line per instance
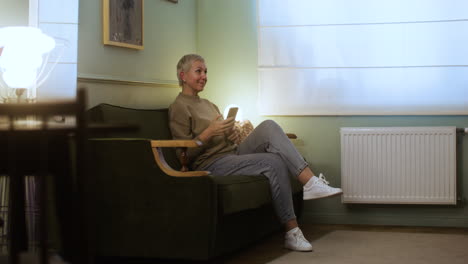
(295, 240)
(317, 187)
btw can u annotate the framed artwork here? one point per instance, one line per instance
(123, 23)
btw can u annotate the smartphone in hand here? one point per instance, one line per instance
(232, 112)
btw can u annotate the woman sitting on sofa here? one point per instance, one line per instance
(267, 150)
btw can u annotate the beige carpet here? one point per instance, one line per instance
(361, 247)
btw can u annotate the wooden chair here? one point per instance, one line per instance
(29, 132)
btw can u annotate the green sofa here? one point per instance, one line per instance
(138, 211)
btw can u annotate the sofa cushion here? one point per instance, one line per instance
(239, 192)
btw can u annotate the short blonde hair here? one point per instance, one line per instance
(185, 63)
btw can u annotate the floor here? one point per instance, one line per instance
(325, 237)
(351, 244)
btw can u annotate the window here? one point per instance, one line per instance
(363, 57)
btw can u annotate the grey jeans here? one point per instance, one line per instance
(269, 152)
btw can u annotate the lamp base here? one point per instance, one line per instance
(19, 93)
(20, 97)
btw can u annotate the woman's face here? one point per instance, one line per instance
(195, 79)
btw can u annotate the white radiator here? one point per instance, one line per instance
(398, 165)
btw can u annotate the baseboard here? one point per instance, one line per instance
(393, 220)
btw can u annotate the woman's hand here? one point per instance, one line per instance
(217, 127)
(234, 136)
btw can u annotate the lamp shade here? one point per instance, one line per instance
(22, 54)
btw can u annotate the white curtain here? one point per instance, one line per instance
(363, 57)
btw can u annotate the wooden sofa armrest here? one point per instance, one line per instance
(157, 146)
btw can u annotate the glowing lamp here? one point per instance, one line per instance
(23, 55)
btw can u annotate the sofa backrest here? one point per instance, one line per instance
(152, 123)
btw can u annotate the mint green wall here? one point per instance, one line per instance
(169, 32)
(227, 39)
(14, 13)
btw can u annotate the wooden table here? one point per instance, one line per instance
(28, 149)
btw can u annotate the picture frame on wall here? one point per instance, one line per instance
(123, 23)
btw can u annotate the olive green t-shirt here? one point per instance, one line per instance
(188, 116)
